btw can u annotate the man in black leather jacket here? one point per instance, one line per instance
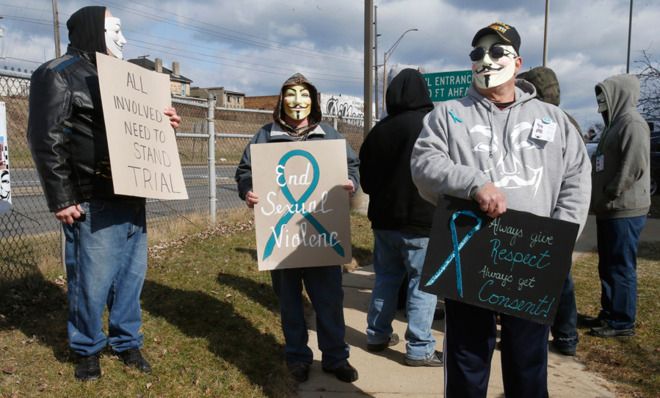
(106, 244)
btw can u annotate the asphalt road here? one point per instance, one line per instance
(30, 214)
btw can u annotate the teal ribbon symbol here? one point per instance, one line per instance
(453, 116)
(455, 255)
(298, 204)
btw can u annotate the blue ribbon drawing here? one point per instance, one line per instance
(453, 116)
(455, 255)
(297, 204)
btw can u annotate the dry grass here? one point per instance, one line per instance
(210, 320)
(212, 327)
(632, 362)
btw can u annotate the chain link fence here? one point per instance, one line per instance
(30, 236)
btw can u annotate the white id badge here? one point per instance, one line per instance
(600, 163)
(544, 130)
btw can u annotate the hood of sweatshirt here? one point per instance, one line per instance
(408, 92)
(315, 115)
(87, 31)
(621, 95)
(525, 91)
(546, 84)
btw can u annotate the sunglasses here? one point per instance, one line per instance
(495, 52)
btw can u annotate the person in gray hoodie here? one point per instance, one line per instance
(480, 147)
(620, 199)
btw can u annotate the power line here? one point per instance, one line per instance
(242, 64)
(272, 72)
(263, 68)
(233, 35)
(25, 60)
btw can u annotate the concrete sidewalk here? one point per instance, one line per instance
(383, 375)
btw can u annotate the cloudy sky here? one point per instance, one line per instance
(252, 46)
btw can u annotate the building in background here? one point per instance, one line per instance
(263, 102)
(342, 105)
(179, 84)
(224, 98)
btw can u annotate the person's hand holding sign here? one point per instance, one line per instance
(491, 200)
(349, 187)
(251, 199)
(175, 119)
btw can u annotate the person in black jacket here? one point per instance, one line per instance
(297, 117)
(106, 236)
(401, 221)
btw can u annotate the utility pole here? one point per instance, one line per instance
(386, 56)
(629, 34)
(545, 33)
(368, 64)
(56, 29)
(2, 40)
(376, 58)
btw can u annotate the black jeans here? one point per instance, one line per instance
(564, 329)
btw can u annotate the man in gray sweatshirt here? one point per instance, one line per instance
(621, 200)
(500, 147)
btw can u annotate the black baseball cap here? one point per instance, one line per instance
(506, 32)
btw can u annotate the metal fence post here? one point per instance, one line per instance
(334, 121)
(212, 181)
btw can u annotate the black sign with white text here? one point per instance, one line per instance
(515, 264)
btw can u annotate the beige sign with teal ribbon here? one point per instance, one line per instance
(302, 218)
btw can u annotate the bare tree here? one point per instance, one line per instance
(649, 78)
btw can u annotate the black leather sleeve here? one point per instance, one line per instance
(48, 136)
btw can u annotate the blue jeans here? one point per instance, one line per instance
(564, 328)
(617, 268)
(395, 254)
(470, 334)
(323, 285)
(106, 261)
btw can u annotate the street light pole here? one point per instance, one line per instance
(368, 64)
(376, 58)
(629, 34)
(545, 33)
(56, 29)
(386, 56)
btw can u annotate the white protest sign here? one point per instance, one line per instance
(302, 218)
(143, 153)
(5, 180)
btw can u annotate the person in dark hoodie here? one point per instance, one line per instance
(621, 200)
(401, 221)
(564, 328)
(106, 242)
(297, 117)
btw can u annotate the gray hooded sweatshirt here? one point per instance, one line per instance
(468, 142)
(622, 188)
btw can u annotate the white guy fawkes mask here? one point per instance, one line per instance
(602, 103)
(488, 72)
(114, 39)
(297, 102)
